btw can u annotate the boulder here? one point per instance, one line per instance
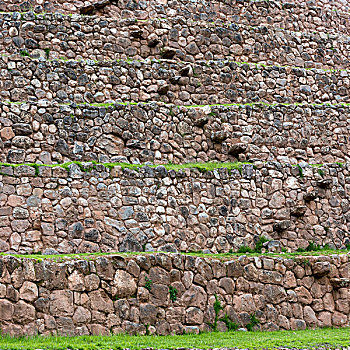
(28, 291)
(124, 284)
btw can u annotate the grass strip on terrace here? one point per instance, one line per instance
(220, 256)
(307, 339)
(87, 166)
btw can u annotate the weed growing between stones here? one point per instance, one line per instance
(47, 52)
(217, 308)
(231, 326)
(253, 322)
(173, 293)
(313, 247)
(305, 262)
(300, 169)
(24, 53)
(258, 246)
(148, 283)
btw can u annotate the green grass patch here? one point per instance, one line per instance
(306, 339)
(220, 256)
(252, 104)
(258, 246)
(313, 247)
(88, 166)
(202, 167)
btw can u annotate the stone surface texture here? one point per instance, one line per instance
(100, 38)
(78, 297)
(94, 208)
(168, 81)
(49, 133)
(324, 16)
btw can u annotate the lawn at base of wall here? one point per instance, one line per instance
(322, 338)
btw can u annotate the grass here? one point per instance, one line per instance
(258, 246)
(221, 256)
(306, 339)
(202, 167)
(87, 166)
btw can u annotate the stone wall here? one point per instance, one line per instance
(127, 210)
(297, 16)
(110, 294)
(180, 83)
(184, 39)
(50, 133)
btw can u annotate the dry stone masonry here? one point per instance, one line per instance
(155, 209)
(180, 83)
(47, 133)
(102, 38)
(127, 294)
(87, 86)
(327, 16)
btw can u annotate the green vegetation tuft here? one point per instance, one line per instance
(173, 293)
(170, 105)
(300, 170)
(47, 53)
(24, 53)
(231, 326)
(313, 247)
(217, 308)
(222, 256)
(253, 322)
(148, 283)
(258, 246)
(90, 165)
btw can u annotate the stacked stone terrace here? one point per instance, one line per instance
(261, 82)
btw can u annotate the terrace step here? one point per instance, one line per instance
(102, 38)
(297, 16)
(117, 294)
(90, 208)
(50, 133)
(180, 83)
